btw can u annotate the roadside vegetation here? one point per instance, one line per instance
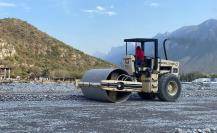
(189, 77)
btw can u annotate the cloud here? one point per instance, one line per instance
(5, 4)
(154, 4)
(111, 13)
(151, 3)
(89, 11)
(100, 10)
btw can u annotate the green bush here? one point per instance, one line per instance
(192, 76)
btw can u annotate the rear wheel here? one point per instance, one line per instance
(147, 96)
(169, 88)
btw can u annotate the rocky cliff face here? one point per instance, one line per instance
(32, 52)
(6, 50)
(194, 46)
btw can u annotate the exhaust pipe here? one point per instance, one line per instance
(164, 45)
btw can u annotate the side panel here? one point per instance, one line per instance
(167, 66)
(149, 84)
(154, 83)
(129, 64)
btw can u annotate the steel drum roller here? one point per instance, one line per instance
(97, 93)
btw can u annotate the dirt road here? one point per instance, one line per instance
(66, 110)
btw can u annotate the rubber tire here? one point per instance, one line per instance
(147, 96)
(162, 88)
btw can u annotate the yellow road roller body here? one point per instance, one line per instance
(154, 77)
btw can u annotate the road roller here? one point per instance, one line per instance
(154, 77)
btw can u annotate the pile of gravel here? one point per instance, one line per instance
(199, 90)
(36, 87)
(206, 130)
(67, 91)
(38, 92)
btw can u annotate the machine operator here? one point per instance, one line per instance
(139, 56)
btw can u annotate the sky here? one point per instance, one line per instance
(99, 25)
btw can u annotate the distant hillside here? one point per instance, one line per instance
(32, 53)
(194, 46)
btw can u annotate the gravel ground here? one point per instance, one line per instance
(62, 108)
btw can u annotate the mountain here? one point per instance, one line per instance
(99, 54)
(194, 46)
(32, 53)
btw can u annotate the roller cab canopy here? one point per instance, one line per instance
(140, 40)
(143, 41)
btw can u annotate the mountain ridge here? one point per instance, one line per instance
(33, 53)
(194, 46)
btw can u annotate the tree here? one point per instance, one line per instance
(192, 76)
(35, 72)
(45, 70)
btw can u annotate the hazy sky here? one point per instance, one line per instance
(98, 25)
